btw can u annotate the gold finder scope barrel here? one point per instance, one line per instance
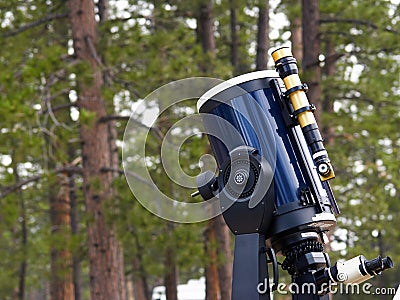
(286, 66)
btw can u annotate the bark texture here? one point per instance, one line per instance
(105, 254)
(223, 238)
(262, 36)
(311, 52)
(24, 240)
(76, 258)
(211, 271)
(234, 36)
(170, 277)
(139, 281)
(141, 287)
(61, 283)
(328, 131)
(205, 28)
(297, 39)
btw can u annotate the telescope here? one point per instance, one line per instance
(273, 183)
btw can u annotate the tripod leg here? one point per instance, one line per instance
(250, 270)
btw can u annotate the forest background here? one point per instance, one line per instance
(71, 71)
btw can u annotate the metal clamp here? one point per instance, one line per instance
(301, 87)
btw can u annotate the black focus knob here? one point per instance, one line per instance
(206, 184)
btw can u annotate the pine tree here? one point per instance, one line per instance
(105, 253)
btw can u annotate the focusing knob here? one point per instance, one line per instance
(207, 185)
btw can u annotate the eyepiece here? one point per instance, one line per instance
(387, 263)
(374, 266)
(379, 264)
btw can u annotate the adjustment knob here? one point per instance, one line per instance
(207, 185)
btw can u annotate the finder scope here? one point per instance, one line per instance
(286, 66)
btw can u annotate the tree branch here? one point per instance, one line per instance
(59, 107)
(132, 17)
(379, 103)
(337, 56)
(28, 26)
(359, 22)
(116, 118)
(93, 51)
(126, 84)
(50, 111)
(351, 21)
(108, 71)
(10, 189)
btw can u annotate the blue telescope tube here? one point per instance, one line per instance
(248, 104)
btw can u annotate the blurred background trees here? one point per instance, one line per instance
(70, 73)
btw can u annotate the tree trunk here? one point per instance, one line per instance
(141, 287)
(170, 279)
(297, 39)
(76, 259)
(205, 28)
(170, 273)
(24, 241)
(105, 254)
(262, 36)
(311, 52)
(23, 264)
(61, 284)
(61, 280)
(223, 237)
(234, 37)
(328, 131)
(102, 6)
(211, 271)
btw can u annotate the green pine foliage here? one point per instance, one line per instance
(365, 152)
(144, 46)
